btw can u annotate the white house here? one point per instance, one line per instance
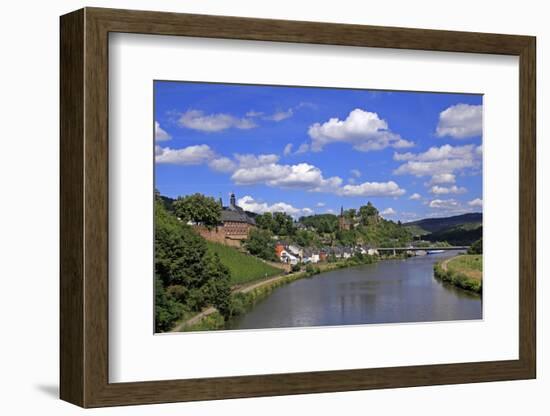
(286, 257)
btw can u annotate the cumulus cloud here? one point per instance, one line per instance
(478, 203)
(356, 173)
(253, 161)
(372, 189)
(191, 155)
(320, 204)
(222, 164)
(288, 149)
(415, 196)
(437, 161)
(445, 204)
(301, 176)
(364, 130)
(280, 115)
(388, 212)
(248, 203)
(160, 134)
(197, 120)
(460, 121)
(303, 148)
(442, 178)
(442, 190)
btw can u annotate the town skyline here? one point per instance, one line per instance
(310, 151)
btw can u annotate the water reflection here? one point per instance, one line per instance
(387, 292)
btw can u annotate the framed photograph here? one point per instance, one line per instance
(255, 207)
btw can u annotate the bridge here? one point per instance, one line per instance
(422, 248)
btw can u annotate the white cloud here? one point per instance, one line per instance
(253, 161)
(355, 173)
(438, 161)
(265, 169)
(222, 164)
(160, 134)
(362, 129)
(442, 178)
(478, 203)
(248, 203)
(372, 189)
(388, 212)
(442, 190)
(253, 113)
(197, 120)
(445, 204)
(301, 176)
(460, 121)
(320, 204)
(280, 115)
(288, 149)
(191, 155)
(415, 196)
(303, 148)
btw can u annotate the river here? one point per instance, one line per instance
(389, 291)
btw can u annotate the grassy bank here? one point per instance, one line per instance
(244, 268)
(464, 271)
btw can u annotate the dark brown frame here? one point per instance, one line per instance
(84, 207)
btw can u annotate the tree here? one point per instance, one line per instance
(187, 276)
(260, 243)
(477, 247)
(178, 250)
(265, 221)
(284, 225)
(322, 223)
(218, 288)
(368, 214)
(199, 209)
(167, 310)
(350, 214)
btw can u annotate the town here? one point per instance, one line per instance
(214, 262)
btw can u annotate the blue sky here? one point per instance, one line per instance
(312, 150)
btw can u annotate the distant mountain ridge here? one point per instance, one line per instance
(432, 225)
(458, 230)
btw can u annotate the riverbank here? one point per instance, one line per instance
(244, 297)
(463, 271)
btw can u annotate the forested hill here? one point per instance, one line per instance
(431, 225)
(458, 230)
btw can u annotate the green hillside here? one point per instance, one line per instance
(433, 225)
(458, 236)
(243, 267)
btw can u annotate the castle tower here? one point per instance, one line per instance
(232, 200)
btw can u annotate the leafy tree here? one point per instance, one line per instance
(350, 214)
(346, 237)
(368, 214)
(306, 238)
(265, 221)
(260, 243)
(284, 225)
(477, 247)
(188, 277)
(167, 310)
(198, 208)
(322, 223)
(218, 286)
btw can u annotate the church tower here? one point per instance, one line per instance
(232, 200)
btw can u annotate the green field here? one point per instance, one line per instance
(469, 264)
(243, 267)
(464, 271)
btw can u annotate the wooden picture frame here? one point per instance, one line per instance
(84, 207)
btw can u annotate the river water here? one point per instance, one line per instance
(389, 291)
